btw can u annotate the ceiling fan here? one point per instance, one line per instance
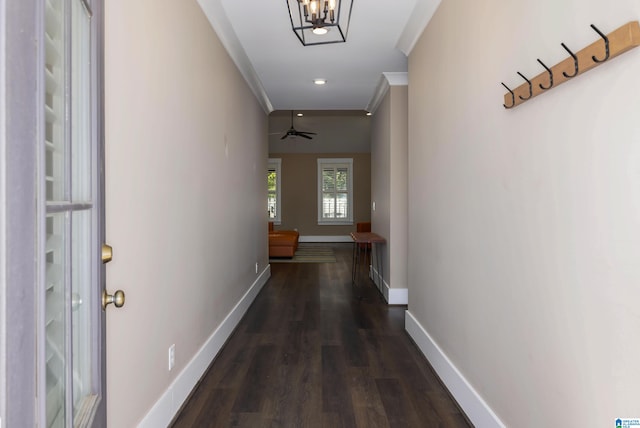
(292, 132)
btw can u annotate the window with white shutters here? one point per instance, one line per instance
(273, 190)
(335, 191)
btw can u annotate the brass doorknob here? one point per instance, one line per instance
(116, 298)
(107, 253)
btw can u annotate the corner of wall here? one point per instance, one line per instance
(418, 21)
(166, 408)
(393, 296)
(476, 409)
(387, 80)
(220, 23)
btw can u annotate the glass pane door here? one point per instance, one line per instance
(82, 217)
(81, 318)
(71, 325)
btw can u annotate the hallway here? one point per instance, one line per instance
(315, 351)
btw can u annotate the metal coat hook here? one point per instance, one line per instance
(530, 87)
(550, 76)
(606, 46)
(575, 63)
(616, 42)
(513, 97)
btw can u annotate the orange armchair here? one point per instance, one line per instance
(282, 243)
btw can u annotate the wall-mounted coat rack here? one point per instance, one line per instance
(607, 47)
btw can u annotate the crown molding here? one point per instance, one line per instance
(219, 21)
(396, 78)
(387, 80)
(418, 21)
(216, 14)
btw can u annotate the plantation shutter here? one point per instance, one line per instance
(274, 191)
(55, 299)
(328, 192)
(335, 191)
(272, 206)
(342, 192)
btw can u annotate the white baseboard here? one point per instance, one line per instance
(323, 238)
(478, 412)
(174, 397)
(393, 296)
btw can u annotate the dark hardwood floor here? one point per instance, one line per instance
(315, 351)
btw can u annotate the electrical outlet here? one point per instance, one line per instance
(256, 267)
(172, 356)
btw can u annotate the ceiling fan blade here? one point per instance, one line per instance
(292, 132)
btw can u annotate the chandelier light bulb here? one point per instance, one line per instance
(332, 13)
(319, 31)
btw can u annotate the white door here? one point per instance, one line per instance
(71, 340)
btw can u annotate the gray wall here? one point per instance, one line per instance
(389, 182)
(525, 231)
(300, 192)
(186, 155)
(337, 131)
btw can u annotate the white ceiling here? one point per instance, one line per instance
(280, 70)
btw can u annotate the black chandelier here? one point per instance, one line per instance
(320, 22)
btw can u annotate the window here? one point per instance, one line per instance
(335, 194)
(273, 190)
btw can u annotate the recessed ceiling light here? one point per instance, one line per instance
(300, 114)
(319, 81)
(368, 113)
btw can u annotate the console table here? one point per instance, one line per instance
(361, 239)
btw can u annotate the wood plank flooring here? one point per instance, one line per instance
(316, 351)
